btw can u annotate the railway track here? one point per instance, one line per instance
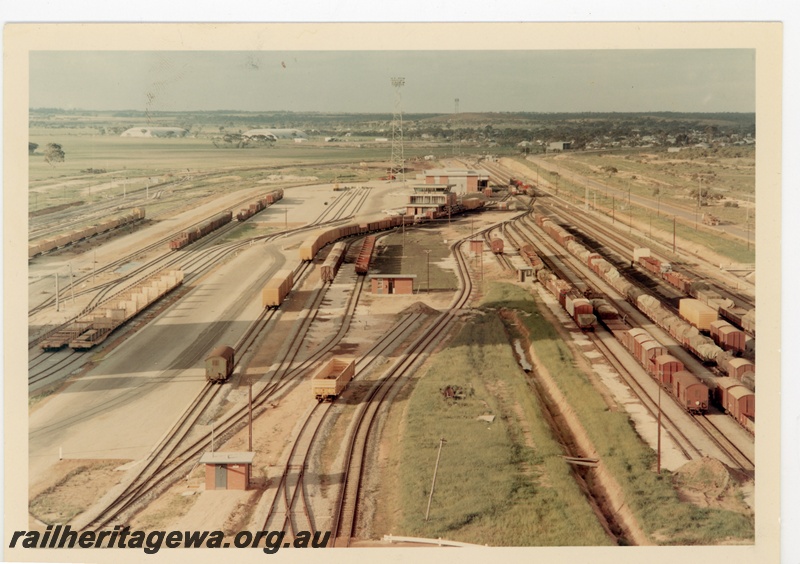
(345, 516)
(291, 489)
(196, 265)
(286, 374)
(613, 238)
(736, 458)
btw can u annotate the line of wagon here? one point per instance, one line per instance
(94, 327)
(737, 370)
(53, 243)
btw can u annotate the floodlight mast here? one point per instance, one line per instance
(398, 160)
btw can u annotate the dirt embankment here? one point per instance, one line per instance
(601, 487)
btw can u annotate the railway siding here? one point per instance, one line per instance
(492, 487)
(652, 498)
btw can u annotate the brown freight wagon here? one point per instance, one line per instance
(276, 290)
(738, 367)
(497, 246)
(365, 255)
(665, 366)
(332, 263)
(690, 392)
(741, 404)
(332, 378)
(219, 364)
(650, 351)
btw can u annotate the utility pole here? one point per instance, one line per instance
(56, 291)
(747, 225)
(697, 209)
(250, 416)
(433, 484)
(673, 234)
(659, 429)
(403, 248)
(71, 289)
(630, 209)
(397, 166)
(586, 197)
(428, 261)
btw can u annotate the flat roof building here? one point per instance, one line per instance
(463, 180)
(227, 470)
(430, 197)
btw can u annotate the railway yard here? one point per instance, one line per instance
(574, 368)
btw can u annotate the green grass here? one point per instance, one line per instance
(651, 496)
(492, 487)
(730, 247)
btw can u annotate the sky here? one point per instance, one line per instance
(708, 80)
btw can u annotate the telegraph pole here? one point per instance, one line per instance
(428, 261)
(673, 234)
(659, 429)
(250, 416)
(398, 159)
(433, 484)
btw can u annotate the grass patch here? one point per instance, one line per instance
(177, 506)
(502, 483)
(72, 494)
(651, 496)
(720, 243)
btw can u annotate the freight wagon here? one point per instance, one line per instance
(332, 378)
(219, 364)
(261, 204)
(63, 240)
(578, 308)
(529, 254)
(698, 290)
(497, 246)
(276, 290)
(687, 335)
(94, 327)
(191, 235)
(690, 392)
(331, 265)
(736, 400)
(365, 255)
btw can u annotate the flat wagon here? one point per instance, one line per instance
(332, 378)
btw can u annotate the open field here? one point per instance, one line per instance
(645, 177)
(505, 482)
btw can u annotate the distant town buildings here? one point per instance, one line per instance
(275, 134)
(558, 146)
(154, 132)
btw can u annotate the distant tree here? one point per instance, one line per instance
(32, 147)
(54, 154)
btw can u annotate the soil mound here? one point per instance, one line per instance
(709, 483)
(419, 307)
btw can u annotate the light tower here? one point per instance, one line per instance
(456, 139)
(398, 160)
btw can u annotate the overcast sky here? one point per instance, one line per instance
(359, 81)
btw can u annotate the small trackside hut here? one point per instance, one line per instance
(227, 470)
